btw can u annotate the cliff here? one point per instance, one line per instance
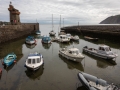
(111, 20)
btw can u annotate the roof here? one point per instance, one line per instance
(73, 49)
(103, 45)
(34, 54)
(63, 35)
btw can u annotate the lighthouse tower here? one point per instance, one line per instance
(14, 15)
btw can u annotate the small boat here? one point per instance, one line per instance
(76, 38)
(9, 59)
(34, 61)
(38, 32)
(30, 40)
(52, 33)
(69, 36)
(103, 51)
(62, 32)
(71, 54)
(46, 39)
(63, 38)
(90, 38)
(93, 83)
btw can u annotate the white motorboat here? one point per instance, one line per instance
(71, 54)
(52, 33)
(93, 83)
(69, 36)
(63, 38)
(34, 61)
(103, 51)
(76, 38)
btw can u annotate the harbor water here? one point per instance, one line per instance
(57, 73)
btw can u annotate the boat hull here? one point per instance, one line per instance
(83, 83)
(52, 34)
(38, 33)
(46, 42)
(76, 59)
(30, 42)
(104, 56)
(63, 41)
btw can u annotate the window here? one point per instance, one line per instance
(38, 60)
(33, 61)
(29, 61)
(70, 52)
(77, 52)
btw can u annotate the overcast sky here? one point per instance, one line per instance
(73, 11)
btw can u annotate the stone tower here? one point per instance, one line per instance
(14, 15)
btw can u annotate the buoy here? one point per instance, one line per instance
(15, 61)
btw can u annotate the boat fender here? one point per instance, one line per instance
(2, 63)
(0, 71)
(15, 61)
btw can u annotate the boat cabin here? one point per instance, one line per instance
(73, 51)
(63, 37)
(68, 35)
(104, 48)
(46, 38)
(33, 59)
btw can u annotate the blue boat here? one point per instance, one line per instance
(30, 40)
(46, 39)
(38, 32)
(9, 59)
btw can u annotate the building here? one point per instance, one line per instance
(14, 15)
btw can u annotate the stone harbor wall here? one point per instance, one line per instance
(111, 32)
(10, 32)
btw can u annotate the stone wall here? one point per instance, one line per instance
(100, 31)
(9, 32)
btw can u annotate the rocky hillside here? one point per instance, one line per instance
(111, 20)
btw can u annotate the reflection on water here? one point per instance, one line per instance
(8, 68)
(38, 36)
(72, 64)
(46, 46)
(102, 63)
(35, 74)
(30, 46)
(82, 88)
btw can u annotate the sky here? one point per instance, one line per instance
(71, 11)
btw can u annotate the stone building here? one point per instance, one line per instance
(14, 15)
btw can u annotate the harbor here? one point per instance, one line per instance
(57, 73)
(54, 55)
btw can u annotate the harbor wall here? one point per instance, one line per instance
(10, 32)
(111, 32)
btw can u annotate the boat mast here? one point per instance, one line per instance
(52, 21)
(60, 21)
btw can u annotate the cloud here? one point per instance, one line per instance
(73, 11)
